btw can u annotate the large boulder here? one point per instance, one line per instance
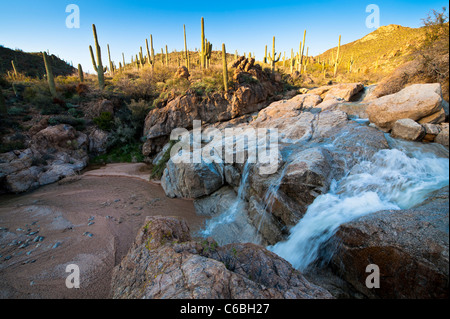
(165, 263)
(191, 180)
(414, 102)
(410, 247)
(408, 129)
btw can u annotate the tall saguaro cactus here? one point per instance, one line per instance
(167, 56)
(14, 69)
(50, 78)
(80, 73)
(150, 56)
(186, 52)
(302, 51)
(111, 66)
(225, 69)
(337, 59)
(203, 46)
(272, 57)
(98, 66)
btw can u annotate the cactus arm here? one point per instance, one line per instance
(93, 58)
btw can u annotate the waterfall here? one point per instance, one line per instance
(392, 179)
(226, 218)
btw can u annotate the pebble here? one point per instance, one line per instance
(33, 233)
(8, 257)
(38, 239)
(91, 218)
(88, 234)
(56, 245)
(91, 223)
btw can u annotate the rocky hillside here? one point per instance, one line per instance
(31, 64)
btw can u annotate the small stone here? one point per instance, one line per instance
(91, 223)
(56, 245)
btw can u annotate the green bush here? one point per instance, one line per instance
(105, 121)
(76, 113)
(78, 124)
(122, 154)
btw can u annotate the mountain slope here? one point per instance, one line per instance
(382, 50)
(31, 64)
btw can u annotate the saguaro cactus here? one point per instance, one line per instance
(14, 69)
(265, 55)
(272, 58)
(111, 66)
(80, 73)
(337, 60)
(50, 78)
(225, 69)
(186, 52)
(98, 66)
(167, 56)
(203, 47)
(302, 51)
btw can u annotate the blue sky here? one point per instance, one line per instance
(245, 26)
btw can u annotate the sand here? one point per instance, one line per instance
(90, 221)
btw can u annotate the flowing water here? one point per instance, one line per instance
(229, 216)
(393, 179)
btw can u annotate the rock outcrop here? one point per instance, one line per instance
(55, 152)
(254, 92)
(165, 263)
(418, 102)
(410, 247)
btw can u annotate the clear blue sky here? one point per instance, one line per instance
(246, 26)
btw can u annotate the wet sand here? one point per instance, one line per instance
(90, 220)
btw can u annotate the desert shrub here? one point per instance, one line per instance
(16, 111)
(121, 154)
(11, 146)
(75, 113)
(105, 121)
(78, 124)
(82, 89)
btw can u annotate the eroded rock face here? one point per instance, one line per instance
(191, 180)
(55, 152)
(410, 247)
(164, 262)
(414, 102)
(254, 92)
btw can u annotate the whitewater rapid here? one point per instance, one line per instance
(392, 179)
